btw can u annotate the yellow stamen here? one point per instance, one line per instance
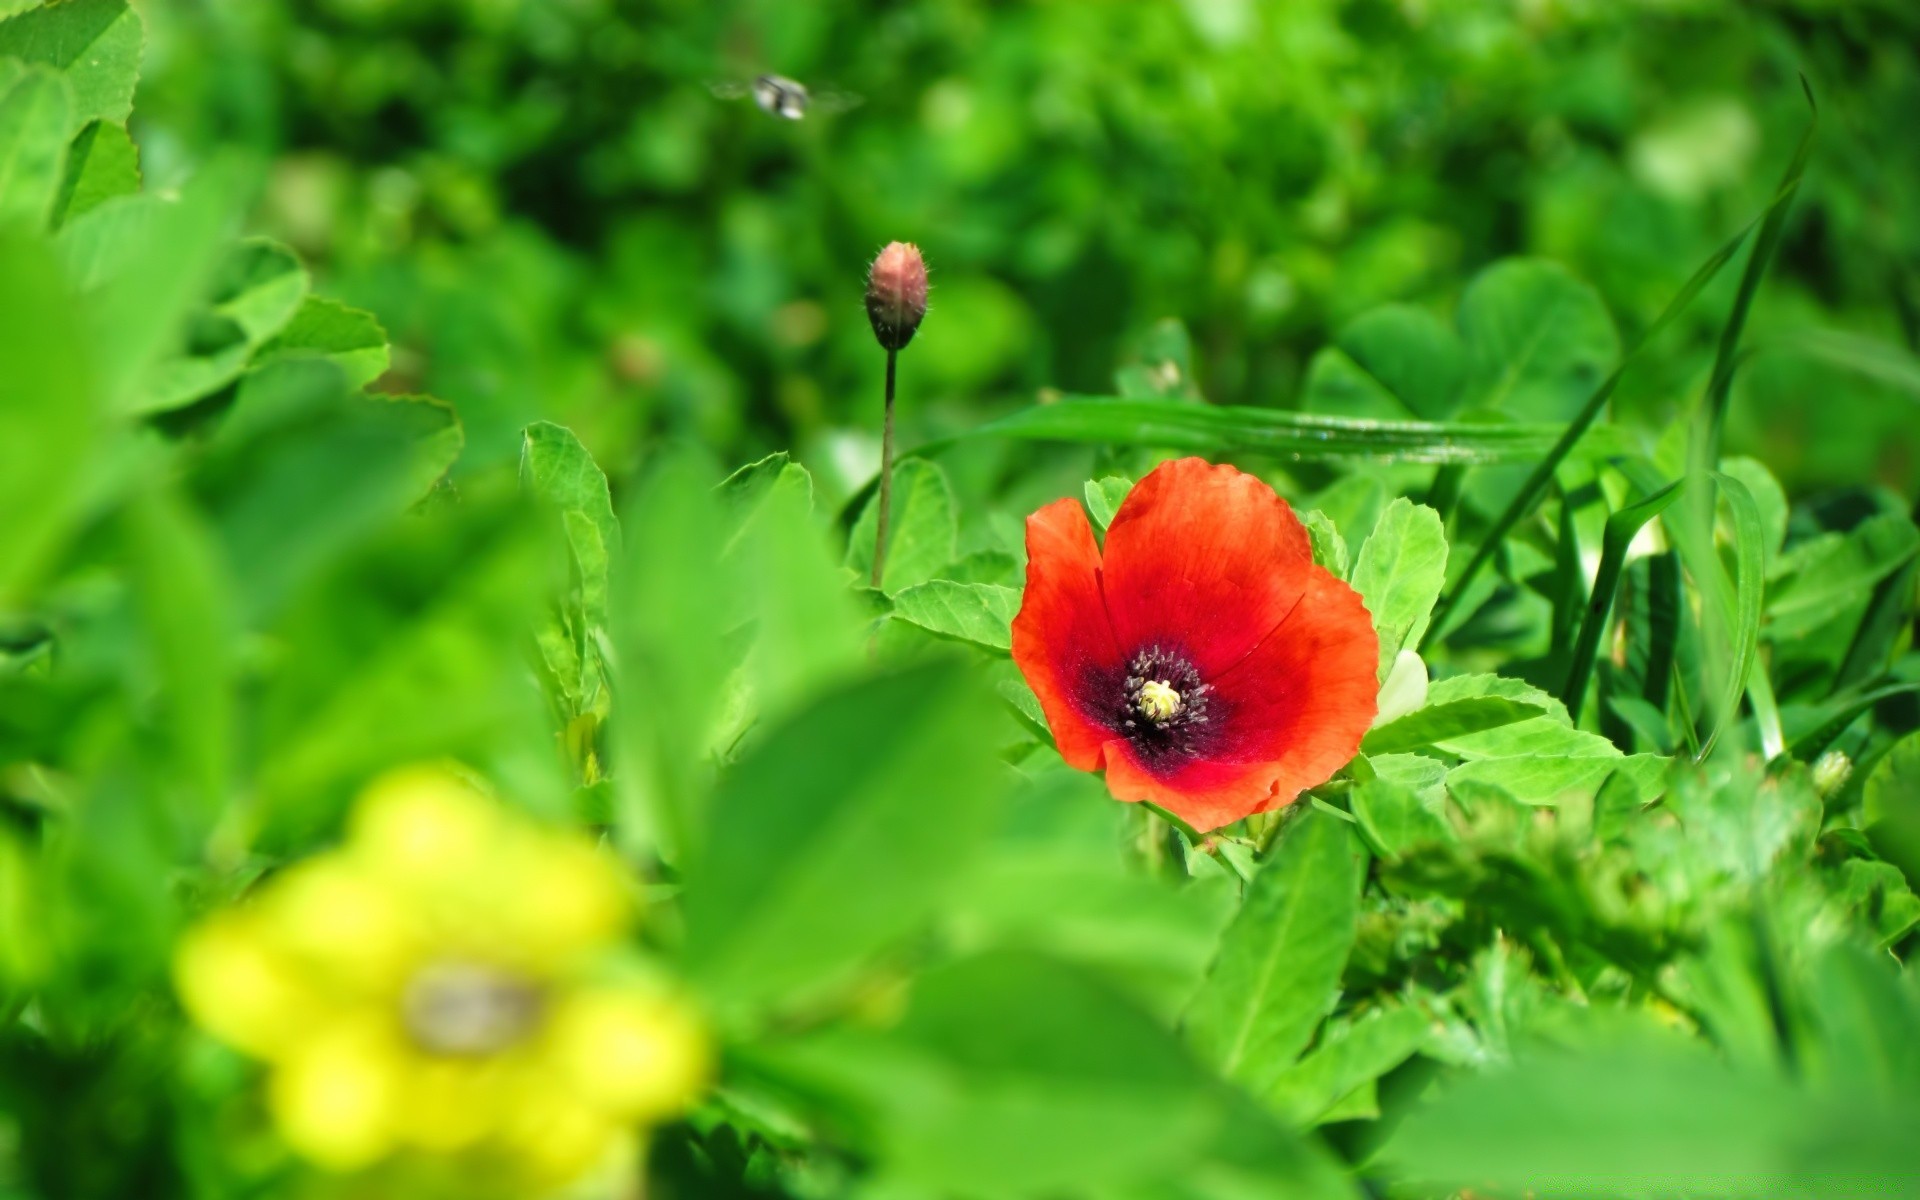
(1158, 701)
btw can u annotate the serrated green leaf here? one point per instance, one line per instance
(146, 263)
(1278, 969)
(102, 163)
(1329, 548)
(1352, 1053)
(558, 469)
(980, 613)
(256, 293)
(1399, 573)
(1394, 818)
(923, 533)
(35, 114)
(1438, 723)
(96, 44)
(1546, 781)
(1104, 497)
(347, 337)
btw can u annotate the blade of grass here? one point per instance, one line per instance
(1209, 428)
(1621, 528)
(1845, 712)
(1740, 611)
(1663, 627)
(1770, 220)
(1772, 226)
(1887, 613)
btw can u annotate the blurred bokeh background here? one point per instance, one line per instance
(561, 209)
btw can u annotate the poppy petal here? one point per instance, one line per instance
(1205, 560)
(1284, 718)
(1062, 640)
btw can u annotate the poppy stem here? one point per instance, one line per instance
(1193, 835)
(886, 477)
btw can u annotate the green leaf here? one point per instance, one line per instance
(1539, 341)
(1817, 728)
(1222, 430)
(34, 121)
(1329, 548)
(996, 1047)
(1748, 599)
(103, 163)
(1822, 576)
(1577, 428)
(1622, 527)
(1705, 454)
(1399, 573)
(187, 611)
(95, 43)
(347, 337)
(146, 263)
(258, 290)
(923, 534)
(1338, 386)
(1394, 818)
(1278, 969)
(839, 834)
(972, 612)
(50, 421)
(1892, 798)
(1652, 1115)
(675, 603)
(807, 631)
(1412, 355)
(302, 469)
(1104, 497)
(1350, 1054)
(1545, 781)
(558, 469)
(1441, 722)
(1769, 497)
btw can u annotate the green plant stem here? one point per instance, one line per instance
(886, 477)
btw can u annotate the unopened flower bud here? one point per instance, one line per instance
(1830, 773)
(897, 294)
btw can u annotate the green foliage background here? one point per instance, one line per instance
(372, 376)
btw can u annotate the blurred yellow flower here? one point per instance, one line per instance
(434, 985)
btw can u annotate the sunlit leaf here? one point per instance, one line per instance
(1279, 963)
(979, 613)
(839, 834)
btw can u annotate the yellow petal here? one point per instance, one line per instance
(450, 1103)
(556, 1137)
(558, 898)
(421, 827)
(335, 1100)
(237, 987)
(343, 920)
(640, 1056)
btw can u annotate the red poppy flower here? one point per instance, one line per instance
(1203, 659)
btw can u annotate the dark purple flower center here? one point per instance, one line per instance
(1162, 706)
